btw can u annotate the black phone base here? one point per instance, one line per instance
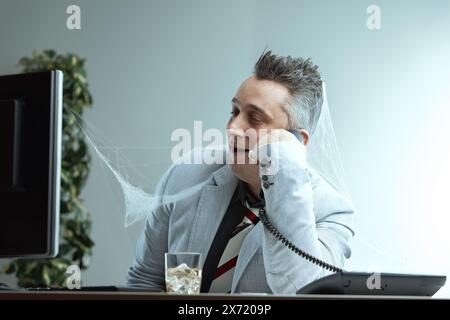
(362, 283)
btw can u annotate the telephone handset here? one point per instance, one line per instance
(265, 221)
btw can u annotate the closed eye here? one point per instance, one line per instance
(254, 119)
(234, 112)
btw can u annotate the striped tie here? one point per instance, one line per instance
(223, 276)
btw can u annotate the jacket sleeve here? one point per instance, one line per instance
(289, 197)
(147, 270)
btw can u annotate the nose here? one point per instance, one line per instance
(241, 134)
(238, 123)
(236, 137)
(242, 139)
(236, 131)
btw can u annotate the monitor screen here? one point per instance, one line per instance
(30, 147)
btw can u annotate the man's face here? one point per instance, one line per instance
(258, 104)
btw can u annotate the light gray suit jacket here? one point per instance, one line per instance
(301, 205)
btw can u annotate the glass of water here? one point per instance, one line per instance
(183, 272)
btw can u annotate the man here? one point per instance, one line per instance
(222, 221)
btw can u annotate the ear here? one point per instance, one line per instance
(305, 135)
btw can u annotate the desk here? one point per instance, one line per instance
(101, 295)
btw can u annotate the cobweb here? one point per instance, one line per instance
(138, 202)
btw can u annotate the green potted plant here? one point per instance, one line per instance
(75, 223)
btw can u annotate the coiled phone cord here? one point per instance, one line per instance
(265, 221)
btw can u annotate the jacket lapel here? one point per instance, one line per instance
(249, 247)
(213, 203)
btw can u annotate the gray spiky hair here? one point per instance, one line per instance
(302, 78)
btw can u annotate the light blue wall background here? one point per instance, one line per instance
(154, 66)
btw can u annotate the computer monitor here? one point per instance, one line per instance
(30, 158)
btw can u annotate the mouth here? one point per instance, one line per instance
(239, 150)
(240, 156)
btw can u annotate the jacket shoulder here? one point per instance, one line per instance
(191, 170)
